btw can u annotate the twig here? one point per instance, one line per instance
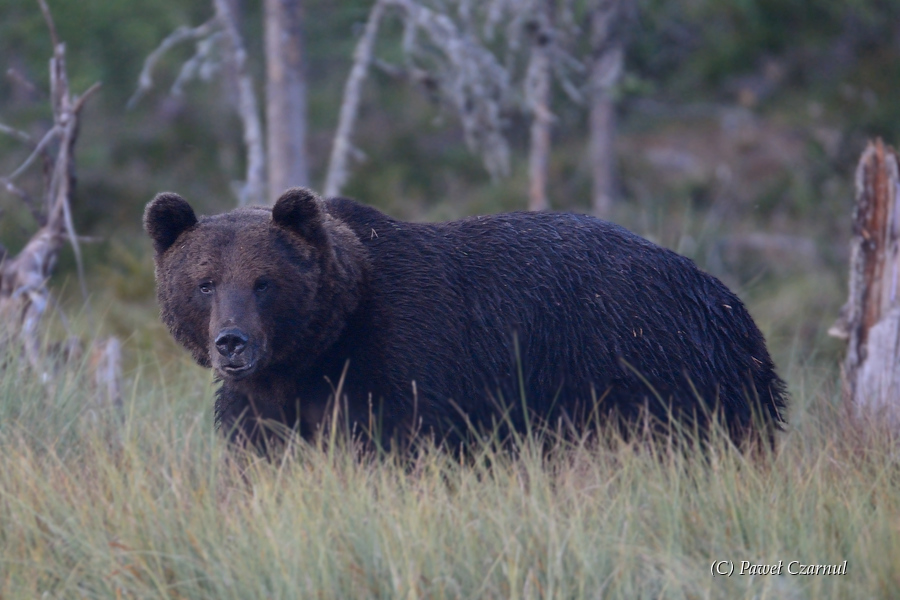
(537, 97)
(362, 57)
(202, 62)
(252, 191)
(20, 80)
(50, 24)
(21, 135)
(80, 100)
(42, 145)
(16, 191)
(182, 34)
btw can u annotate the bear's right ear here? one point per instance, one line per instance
(165, 218)
(300, 210)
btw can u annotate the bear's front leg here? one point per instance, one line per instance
(249, 423)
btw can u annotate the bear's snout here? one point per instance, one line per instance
(231, 341)
(237, 355)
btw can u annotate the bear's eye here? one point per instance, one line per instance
(261, 286)
(206, 287)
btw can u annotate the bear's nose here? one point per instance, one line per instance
(231, 341)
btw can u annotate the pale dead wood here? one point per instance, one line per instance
(338, 167)
(606, 70)
(106, 365)
(221, 30)
(253, 189)
(460, 69)
(537, 95)
(870, 321)
(24, 295)
(20, 135)
(182, 34)
(471, 77)
(469, 56)
(285, 96)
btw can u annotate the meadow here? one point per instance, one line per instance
(149, 502)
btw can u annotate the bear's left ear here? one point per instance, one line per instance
(165, 218)
(300, 210)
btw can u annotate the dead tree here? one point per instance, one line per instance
(341, 145)
(24, 295)
(285, 95)
(870, 320)
(216, 40)
(607, 57)
(470, 55)
(537, 94)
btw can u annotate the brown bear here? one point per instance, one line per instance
(486, 323)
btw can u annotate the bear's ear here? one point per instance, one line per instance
(300, 210)
(165, 218)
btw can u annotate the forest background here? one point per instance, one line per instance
(738, 126)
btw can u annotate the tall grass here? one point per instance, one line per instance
(151, 504)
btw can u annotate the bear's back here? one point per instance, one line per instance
(558, 308)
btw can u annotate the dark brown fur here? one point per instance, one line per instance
(452, 326)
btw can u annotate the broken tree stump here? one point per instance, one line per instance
(870, 320)
(24, 292)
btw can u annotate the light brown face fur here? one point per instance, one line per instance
(254, 288)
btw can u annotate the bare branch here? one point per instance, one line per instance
(42, 145)
(537, 95)
(15, 190)
(83, 98)
(19, 80)
(50, 24)
(203, 64)
(21, 135)
(341, 147)
(253, 189)
(221, 28)
(24, 296)
(477, 85)
(182, 34)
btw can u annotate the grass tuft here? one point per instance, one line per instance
(152, 504)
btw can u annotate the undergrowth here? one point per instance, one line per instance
(149, 502)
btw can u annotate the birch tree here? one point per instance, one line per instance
(219, 41)
(285, 95)
(24, 293)
(490, 60)
(607, 21)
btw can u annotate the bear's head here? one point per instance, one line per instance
(254, 288)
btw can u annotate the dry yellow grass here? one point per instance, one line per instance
(155, 506)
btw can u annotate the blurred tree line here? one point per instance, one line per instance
(750, 112)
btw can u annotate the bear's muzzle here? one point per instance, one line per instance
(236, 356)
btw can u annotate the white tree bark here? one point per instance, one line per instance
(537, 93)
(606, 69)
(338, 167)
(253, 190)
(285, 96)
(24, 295)
(870, 320)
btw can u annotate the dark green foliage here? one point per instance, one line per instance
(835, 73)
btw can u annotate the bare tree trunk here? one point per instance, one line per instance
(870, 320)
(342, 146)
(605, 72)
(285, 96)
(253, 190)
(537, 94)
(24, 295)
